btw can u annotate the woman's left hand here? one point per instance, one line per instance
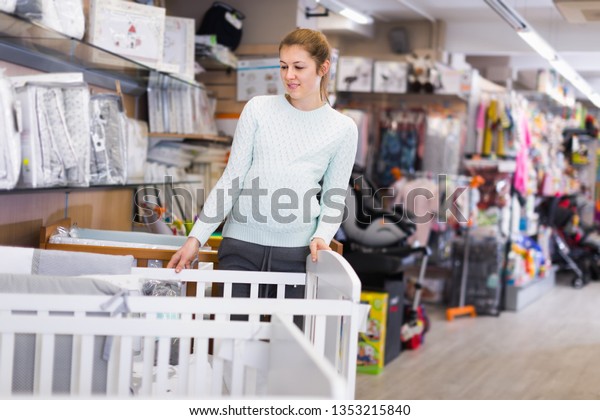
(315, 245)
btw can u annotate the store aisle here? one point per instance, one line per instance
(549, 350)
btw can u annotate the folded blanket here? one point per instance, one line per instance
(67, 263)
(63, 263)
(27, 283)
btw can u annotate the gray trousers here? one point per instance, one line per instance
(245, 256)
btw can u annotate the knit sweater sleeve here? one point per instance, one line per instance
(223, 196)
(335, 186)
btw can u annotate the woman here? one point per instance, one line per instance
(284, 148)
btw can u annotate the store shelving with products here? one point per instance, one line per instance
(28, 47)
(193, 138)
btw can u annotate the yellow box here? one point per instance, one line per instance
(371, 345)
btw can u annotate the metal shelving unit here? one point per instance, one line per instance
(30, 44)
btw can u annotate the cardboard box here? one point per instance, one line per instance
(258, 77)
(371, 344)
(128, 29)
(355, 74)
(178, 50)
(390, 77)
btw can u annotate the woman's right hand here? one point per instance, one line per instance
(186, 255)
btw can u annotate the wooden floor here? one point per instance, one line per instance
(549, 350)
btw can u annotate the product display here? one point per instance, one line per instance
(108, 163)
(64, 16)
(8, 6)
(108, 116)
(55, 142)
(129, 29)
(137, 149)
(354, 74)
(10, 140)
(178, 51)
(178, 107)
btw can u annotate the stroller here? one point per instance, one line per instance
(576, 247)
(375, 245)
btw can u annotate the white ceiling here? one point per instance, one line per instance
(474, 29)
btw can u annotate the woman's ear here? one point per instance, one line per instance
(324, 68)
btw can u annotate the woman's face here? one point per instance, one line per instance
(299, 74)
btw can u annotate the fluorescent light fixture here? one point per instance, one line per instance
(595, 98)
(539, 45)
(340, 8)
(356, 16)
(508, 14)
(565, 70)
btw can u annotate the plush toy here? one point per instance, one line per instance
(423, 76)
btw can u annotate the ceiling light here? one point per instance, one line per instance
(539, 45)
(509, 15)
(595, 98)
(337, 6)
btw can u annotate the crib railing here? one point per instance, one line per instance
(244, 352)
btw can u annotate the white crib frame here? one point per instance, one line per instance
(320, 365)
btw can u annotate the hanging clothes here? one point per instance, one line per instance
(442, 145)
(361, 118)
(400, 139)
(492, 123)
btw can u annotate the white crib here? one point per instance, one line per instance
(216, 357)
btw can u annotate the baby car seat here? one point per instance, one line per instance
(366, 225)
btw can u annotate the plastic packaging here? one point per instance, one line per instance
(108, 163)
(10, 139)
(65, 16)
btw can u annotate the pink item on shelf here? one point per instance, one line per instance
(520, 181)
(480, 126)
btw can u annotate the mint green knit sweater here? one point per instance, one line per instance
(280, 157)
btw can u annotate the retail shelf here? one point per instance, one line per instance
(33, 45)
(506, 166)
(190, 138)
(546, 102)
(211, 63)
(91, 188)
(518, 297)
(404, 97)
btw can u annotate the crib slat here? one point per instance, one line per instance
(162, 366)
(280, 291)
(112, 369)
(200, 370)
(124, 376)
(201, 289)
(184, 361)
(254, 290)
(82, 366)
(237, 369)
(227, 290)
(44, 364)
(218, 369)
(7, 349)
(254, 295)
(319, 333)
(147, 365)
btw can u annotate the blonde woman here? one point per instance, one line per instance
(287, 151)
